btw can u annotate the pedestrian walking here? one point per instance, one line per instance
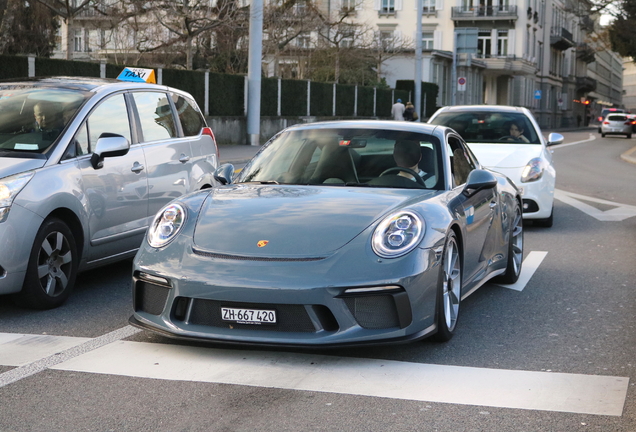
(409, 112)
(397, 111)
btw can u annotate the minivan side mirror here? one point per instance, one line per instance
(108, 145)
(554, 139)
(224, 174)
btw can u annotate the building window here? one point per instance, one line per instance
(484, 40)
(386, 39)
(388, 7)
(348, 5)
(78, 45)
(302, 41)
(502, 42)
(428, 6)
(427, 40)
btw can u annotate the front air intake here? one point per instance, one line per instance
(150, 298)
(374, 311)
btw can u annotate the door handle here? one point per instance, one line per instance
(184, 158)
(137, 167)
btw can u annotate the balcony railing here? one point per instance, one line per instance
(561, 38)
(480, 12)
(585, 52)
(585, 84)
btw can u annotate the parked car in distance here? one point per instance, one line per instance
(617, 124)
(352, 232)
(509, 140)
(85, 164)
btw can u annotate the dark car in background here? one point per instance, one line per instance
(85, 164)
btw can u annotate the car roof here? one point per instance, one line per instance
(483, 108)
(368, 124)
(78, 83)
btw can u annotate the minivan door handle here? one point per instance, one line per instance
(137, 167)
(184, 158)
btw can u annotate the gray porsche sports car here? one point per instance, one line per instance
(335, 233)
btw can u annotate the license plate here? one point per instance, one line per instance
(248, 316)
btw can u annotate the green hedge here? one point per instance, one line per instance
(227, 93)
(345, 100)
(294, 102)
(365, 101)
(321, 103)
(189, 81)
(429, 94)
(14, 67)
(56, 67)
(269, 96)
(384, 101)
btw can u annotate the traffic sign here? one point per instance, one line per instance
(537, 94)
(461, 83)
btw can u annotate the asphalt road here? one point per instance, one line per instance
(573, 322)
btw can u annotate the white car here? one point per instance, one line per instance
(617, 124)
(508, 140)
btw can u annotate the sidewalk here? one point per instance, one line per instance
(237, 154)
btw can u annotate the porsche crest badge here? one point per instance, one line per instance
(262, 243)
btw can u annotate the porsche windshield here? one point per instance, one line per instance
(352, 157)
(490, 127)
(32, 118)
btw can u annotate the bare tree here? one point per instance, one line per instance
(26, 27)
(186, 20)
(68, 10)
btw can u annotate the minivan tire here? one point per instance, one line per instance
(52, 267)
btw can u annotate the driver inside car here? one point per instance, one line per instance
(407, 154)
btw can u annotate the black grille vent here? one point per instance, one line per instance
(150, 298)
(374, 312)
(290, 318)
(250, 258)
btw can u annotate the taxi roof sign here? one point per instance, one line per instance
(138, 75)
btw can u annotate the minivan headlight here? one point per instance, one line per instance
(397, 234)
(533, 171)
(10, 187)
(166, 225)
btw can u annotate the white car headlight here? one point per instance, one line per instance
(397, 234)
(533, 171)
(166, 225)
(9, 189)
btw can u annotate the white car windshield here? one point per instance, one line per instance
(490, 127)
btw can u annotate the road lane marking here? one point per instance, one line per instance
(515, 389)
(546, 391)
(49, 351)
(529, 267)
(618, 213)
(591, 138)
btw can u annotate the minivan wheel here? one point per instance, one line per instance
(52, 267)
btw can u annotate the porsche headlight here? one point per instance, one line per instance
(397, 234)
(533, 171)
(9, 188)
(166, 225)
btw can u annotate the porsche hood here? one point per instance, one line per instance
(289, 221)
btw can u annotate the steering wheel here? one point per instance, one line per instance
(419, 180)
(508, 138)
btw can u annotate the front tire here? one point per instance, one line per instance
(515, 250)
(449, 291)
(52, 267)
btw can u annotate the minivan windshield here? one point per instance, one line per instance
(32, 118)
(490, 127)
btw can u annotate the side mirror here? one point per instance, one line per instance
(108, 145)
(554, 139)
(224, 174)
(479, 180)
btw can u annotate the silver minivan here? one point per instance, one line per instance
(85, 164)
